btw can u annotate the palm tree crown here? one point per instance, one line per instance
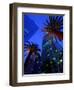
(33, 48)
(54, 26)
(54, 23)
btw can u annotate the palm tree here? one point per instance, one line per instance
(34, 52)
(54, 25)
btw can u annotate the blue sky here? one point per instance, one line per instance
(39, 20)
